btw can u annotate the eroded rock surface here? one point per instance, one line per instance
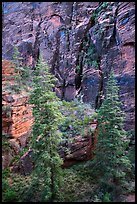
(78, 150)
(81, 148)
(25, 164)
(17, 116)
(65, 33)
(81, 42)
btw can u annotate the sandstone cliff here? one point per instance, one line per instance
(16, 115)
(81, 41)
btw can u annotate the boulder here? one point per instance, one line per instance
(25, 164)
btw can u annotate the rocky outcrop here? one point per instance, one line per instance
(17, 117)
(25, 164)
(81, 148)
(81, 42)
(17, 123)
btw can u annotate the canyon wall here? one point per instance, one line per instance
(17, 116)
(81, 42)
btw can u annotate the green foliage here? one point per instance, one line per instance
(17, 69)
(21, 77)
(7, 110)
(98, 11)
(20, 185)
(19, 155)
(131, 154)
(78, 186)
(112, 139)
(94, 16)
(102, 197)
(8, 194)
(102, 7)
(131, 136)
(90, 55)
(14, 186)
(77, 117)
(5, 142)
(5, 175)
(46, 136)
(78, 69)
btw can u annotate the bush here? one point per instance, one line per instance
(10, 195)
(106, 197)
(5, 142)
(77, 117)
(7, 110)
(14, 186)
(78, 185)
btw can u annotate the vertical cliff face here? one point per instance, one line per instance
(114, 39)
(17, 116)
(81, 42)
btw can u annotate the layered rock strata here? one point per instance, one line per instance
(17, 116)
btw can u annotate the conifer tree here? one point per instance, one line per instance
(46, 137)
(18, 69)
(22, 73)
(110, 155)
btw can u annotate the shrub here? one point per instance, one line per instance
(10, 195)
(7, 110)
(77, 117)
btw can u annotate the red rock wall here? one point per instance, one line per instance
(57, 30)
(81, 148)
(20, 121)
(17, 117)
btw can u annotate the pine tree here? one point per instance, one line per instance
(22, 73)
(110, 157)
(46, 137)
